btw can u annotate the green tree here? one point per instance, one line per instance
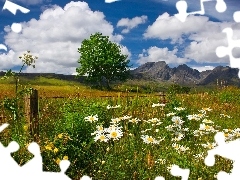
(102, 61)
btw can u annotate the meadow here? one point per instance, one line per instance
(128, 136)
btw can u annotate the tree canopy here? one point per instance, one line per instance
(102, 61)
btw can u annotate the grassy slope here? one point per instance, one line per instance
(49, 86)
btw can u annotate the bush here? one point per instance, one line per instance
(177, 89)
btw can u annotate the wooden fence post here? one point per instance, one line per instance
(162, 98)
(31, 110)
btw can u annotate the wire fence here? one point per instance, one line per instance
(113, 98)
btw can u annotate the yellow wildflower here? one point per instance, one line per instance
(57, 160)
(65, 157)
(60, 135)
(55, 150)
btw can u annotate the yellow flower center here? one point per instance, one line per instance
(102, 137)
(114, 134)
(91, 118)
(150, 139)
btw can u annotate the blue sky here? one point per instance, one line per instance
(147, 30)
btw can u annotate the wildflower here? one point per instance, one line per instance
(208, 121)
(158, 104)
(193, 117)
(170, 114)
(176, 146)
(179, 108)
(116, 120)
(55, 150)
(200, 115)
(134, 120)
(206, 127)
(183, 149)
(224, 115)
(100, 128)
(143, 131)
(60, 135)
(58, 161)
(170, 127)
(112, 127)
(154, 120)
(149, 139)
(126, 117)
(91, 118)
(227, 130)
(177, 120)
(199, 156)
(113, 107)
(209, 145)
(25, 127)
(65, 157)
(49, 147)
(162, 161)
(101, 138)
(236, 132)
(198, 133)
(115, 133)
(178, 138)
(206, 109)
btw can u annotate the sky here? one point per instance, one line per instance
(146, 30)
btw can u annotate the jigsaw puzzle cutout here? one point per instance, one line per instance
(12, 7)
(15, 27)
(229, 150)
(33, 168)
(222, 51)
(177, 171)
(182, 9)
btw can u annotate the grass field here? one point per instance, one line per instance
(126, 137)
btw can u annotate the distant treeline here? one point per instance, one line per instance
(50, 75)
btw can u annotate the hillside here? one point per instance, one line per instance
(158, 72)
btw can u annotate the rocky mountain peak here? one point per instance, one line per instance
(184, 75)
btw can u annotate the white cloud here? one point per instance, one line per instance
(131, 23)
(169, 27)
(125, 51)
(203, 68)
(154, 54)
(205, 36)
(55, 37)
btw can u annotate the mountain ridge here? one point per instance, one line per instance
(185, 75)
(161, 72)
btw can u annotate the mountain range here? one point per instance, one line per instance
(184, 75)
(161, 72)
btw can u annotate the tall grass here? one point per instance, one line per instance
(65, 133)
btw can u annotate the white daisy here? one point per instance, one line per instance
(149, 139)
(177, 120)
(158, 104)
(91, 118)
(101, 138)
(134, 120)
(179, 108)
